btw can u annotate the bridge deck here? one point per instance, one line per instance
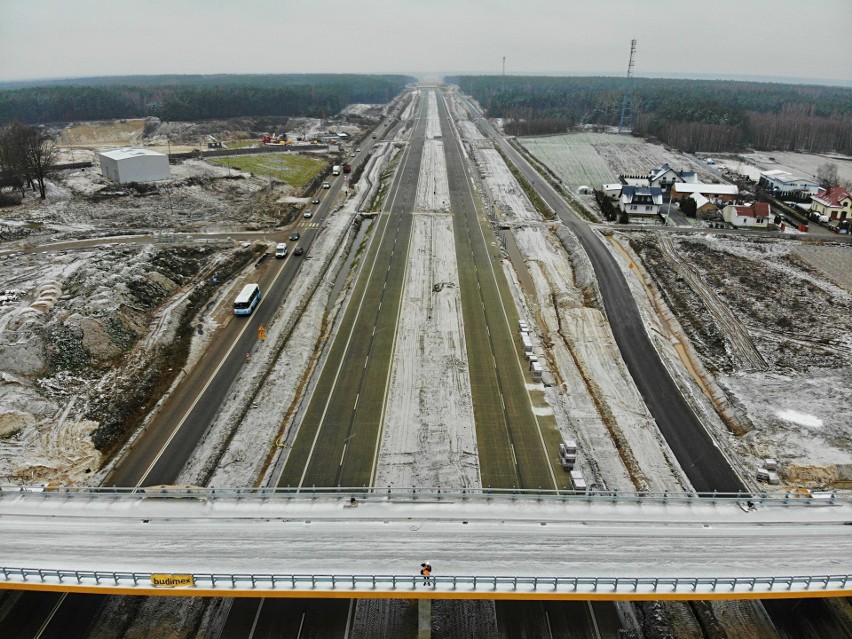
(489, 548)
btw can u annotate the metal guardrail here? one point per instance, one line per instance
(461, 583)
(414, 494)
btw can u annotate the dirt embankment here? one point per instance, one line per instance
(91, 340)
(756, 295)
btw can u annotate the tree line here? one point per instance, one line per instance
(193, 97)
(705, 115)
(26, 155)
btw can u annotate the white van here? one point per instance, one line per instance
(281, 250)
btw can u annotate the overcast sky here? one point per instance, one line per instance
(799, 39)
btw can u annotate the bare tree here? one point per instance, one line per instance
(27, 152)
(826, 175)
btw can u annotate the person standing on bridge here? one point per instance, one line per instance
(426, 571)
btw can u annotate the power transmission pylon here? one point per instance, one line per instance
(626, 117)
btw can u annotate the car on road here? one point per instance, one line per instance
(326, 185)
(298, 250)
(308, 214)
(294, 236)
(315, 201)
(280, 250)
(357, 150)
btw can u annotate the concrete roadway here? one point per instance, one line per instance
(336, 442)
(463, 534)
(512, 448)
(341, 425)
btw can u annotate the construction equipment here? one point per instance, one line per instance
(274, 140)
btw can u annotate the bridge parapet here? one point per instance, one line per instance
(412, 587)
(414, 494)
(370, 543)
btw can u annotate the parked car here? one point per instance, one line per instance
(298, 250)
(294, 236)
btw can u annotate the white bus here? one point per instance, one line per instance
(247, 300)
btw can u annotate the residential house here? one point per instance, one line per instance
(785, 182)
(664, 176)
(641, 201)
(720, 192)
(755, 215)
(836, 204)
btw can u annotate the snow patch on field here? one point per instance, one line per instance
(804, 164)
(803, 419)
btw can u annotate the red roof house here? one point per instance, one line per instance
(836, 203)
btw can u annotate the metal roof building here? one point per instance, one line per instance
(134, 165)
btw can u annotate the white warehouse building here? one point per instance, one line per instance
(134, 165)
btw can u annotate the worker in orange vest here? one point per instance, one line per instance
(426, 571)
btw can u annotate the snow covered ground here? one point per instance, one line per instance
(73, 313)
(428, 432)
(791, 409)
(804, 164)
(610, 421)
(508, 198)
(592, 159)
